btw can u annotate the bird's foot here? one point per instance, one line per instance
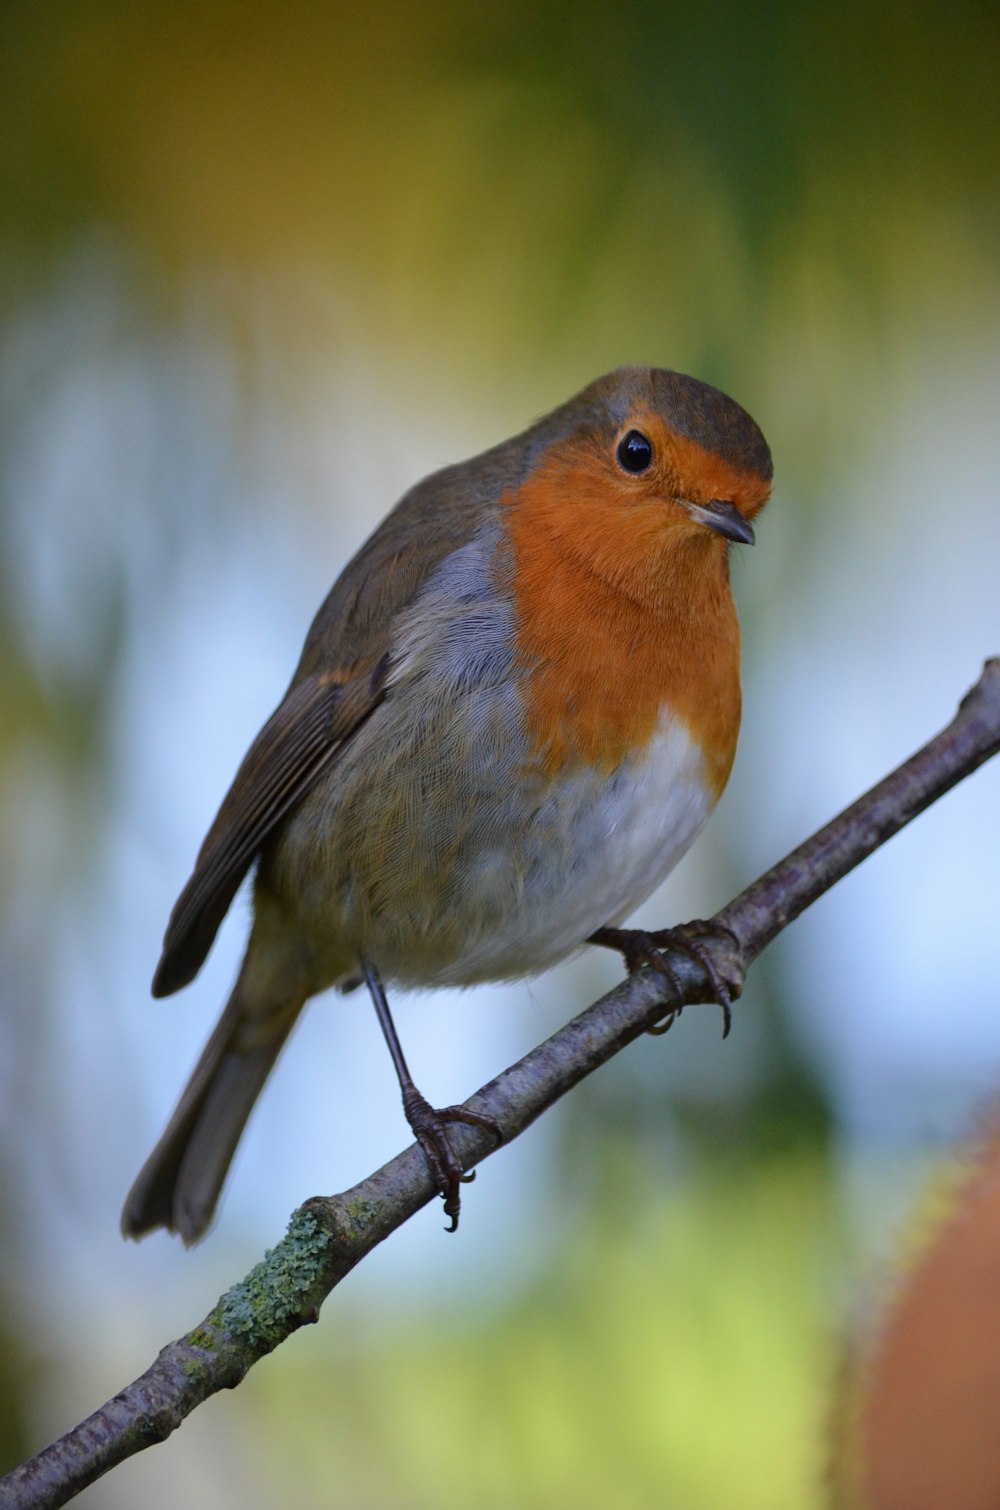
(699, 940)
(429, 1128)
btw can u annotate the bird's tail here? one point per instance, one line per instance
(179, 1184)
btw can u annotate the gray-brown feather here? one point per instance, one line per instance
(286, 758)
(179, 1184)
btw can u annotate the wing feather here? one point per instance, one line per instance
(339, 681)
(298, 742)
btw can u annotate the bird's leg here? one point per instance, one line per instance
(427, 1122)
(640, 948)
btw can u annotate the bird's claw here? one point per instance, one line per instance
(428, 1124)
(641, 949)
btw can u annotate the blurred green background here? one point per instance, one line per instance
(263, 267)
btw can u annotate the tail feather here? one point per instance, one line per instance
(179, 1184)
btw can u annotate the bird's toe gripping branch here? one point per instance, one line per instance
(428, 1124)
(714, 948)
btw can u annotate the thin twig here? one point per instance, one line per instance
(328, 1236)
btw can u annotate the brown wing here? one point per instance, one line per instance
(339, 681)
(294, 747)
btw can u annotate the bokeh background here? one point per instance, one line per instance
(262, 268)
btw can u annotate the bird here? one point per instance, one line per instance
(513, 714)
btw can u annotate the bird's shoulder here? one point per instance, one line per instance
(436, 519)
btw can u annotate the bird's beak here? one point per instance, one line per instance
(724, 518)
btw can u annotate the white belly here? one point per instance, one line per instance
(475, 866)
(590, 857)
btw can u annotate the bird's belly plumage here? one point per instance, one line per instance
(473, 863)
(581, 852)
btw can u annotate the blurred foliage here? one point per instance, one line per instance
(678, 1358)
(15, 1439)
(688, 174)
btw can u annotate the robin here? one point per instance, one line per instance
(513, 714)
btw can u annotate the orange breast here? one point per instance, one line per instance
(620, 612)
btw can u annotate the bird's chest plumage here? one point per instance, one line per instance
(460, 838)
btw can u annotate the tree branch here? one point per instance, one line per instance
(329, 1235)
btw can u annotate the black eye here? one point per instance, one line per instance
(635, 452)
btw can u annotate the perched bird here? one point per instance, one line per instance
(513, 713)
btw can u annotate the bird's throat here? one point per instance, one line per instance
(618, 621)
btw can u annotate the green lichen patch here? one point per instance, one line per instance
(204, 1339)
(195, 1370)
(360, 1214)
(275, 1295)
